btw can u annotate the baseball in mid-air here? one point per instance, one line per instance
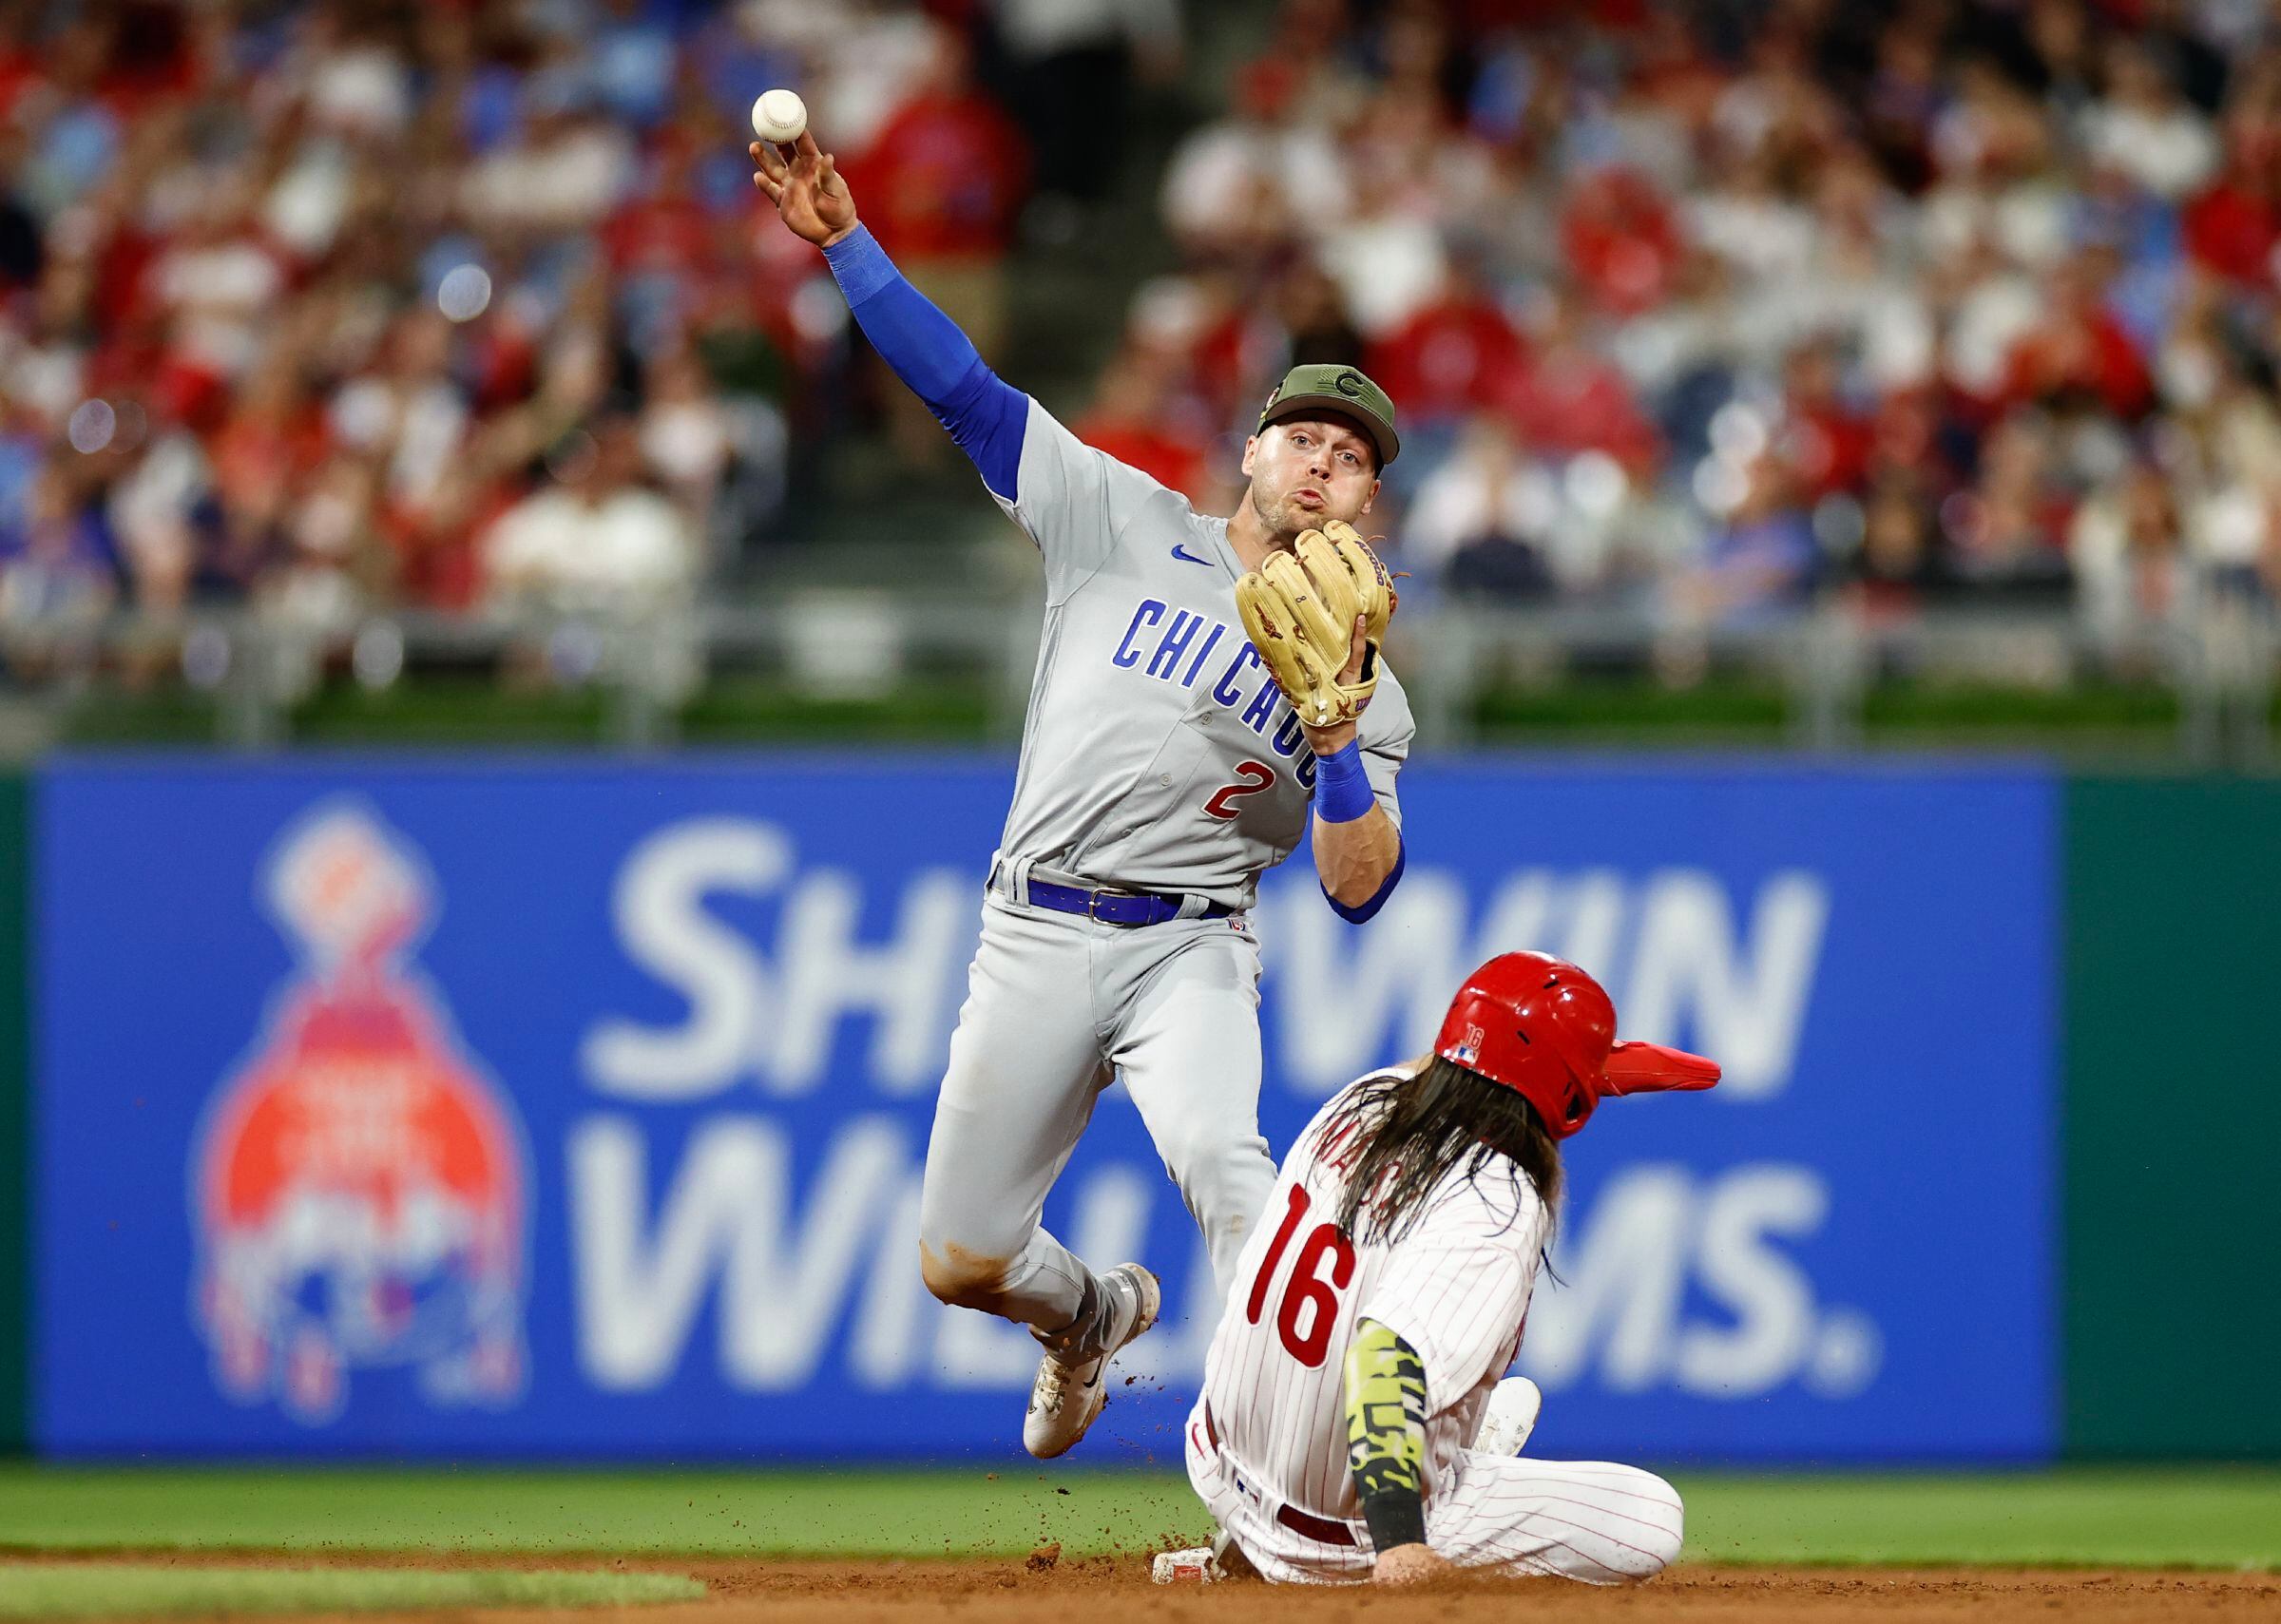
(779, 115)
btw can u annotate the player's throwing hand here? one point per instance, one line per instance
(801, 181)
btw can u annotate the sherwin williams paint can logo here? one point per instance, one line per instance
(357, 1186)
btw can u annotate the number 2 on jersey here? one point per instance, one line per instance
(1251, 778)
(1308, 1288)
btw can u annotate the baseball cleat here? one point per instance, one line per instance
(1509, 1417)
(1072, 1385)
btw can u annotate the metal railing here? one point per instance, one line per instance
(2220, 663)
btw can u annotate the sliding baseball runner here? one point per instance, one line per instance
(1352, 1423)
(1199, 700)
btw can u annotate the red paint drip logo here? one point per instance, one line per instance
(358, 1185)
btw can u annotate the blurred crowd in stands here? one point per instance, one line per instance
(320, 307)
(1721, 310)
(1710, 311)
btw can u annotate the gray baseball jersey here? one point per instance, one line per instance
(1158, 754)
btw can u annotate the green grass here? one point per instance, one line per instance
(2201, 1519)
(697, 1513)
(113, 1590)
(2213, 1518)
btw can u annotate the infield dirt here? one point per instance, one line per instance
(1109, 1589)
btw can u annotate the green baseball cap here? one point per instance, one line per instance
(1341, 388)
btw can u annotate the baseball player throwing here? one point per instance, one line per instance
(1346, 1425)
(1199, 694)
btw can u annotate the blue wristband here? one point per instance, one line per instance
(859, 264)
(1342, 788)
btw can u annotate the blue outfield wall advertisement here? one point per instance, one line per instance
(532, 1109)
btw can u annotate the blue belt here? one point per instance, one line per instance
(1117, 908)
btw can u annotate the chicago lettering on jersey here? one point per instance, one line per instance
(1178, 645)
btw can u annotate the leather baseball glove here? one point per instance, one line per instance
(1300, 608)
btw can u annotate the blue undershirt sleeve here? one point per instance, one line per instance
(1376, 900)
(984, 414)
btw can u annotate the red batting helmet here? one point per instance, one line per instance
(1547, 1030)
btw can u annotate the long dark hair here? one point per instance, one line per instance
(1399, 1135)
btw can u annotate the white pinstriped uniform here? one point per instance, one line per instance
(1269, 1429)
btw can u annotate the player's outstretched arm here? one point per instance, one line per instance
(1386, 1450)
(985, 415)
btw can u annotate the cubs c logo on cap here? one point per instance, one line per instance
(1340, 388)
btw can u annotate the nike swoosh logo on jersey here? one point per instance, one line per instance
(1186, 557)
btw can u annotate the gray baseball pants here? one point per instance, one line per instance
(1057, 1006)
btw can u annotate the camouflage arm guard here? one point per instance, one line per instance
(1386, 1434)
